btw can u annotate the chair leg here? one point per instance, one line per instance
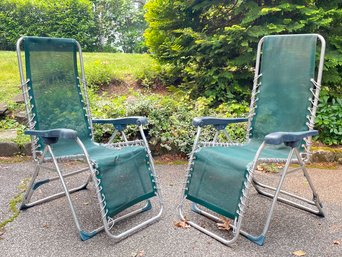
(196, 209)
(33, 185)
(108, 224)
(314, 202)
(260, 239)
(87, 235)
(66, 192)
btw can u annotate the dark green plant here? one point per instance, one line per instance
(329, 120)
(170, 118)
(209, 46)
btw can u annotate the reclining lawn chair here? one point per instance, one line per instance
(60, 126)
(280, 126)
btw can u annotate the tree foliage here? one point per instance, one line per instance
(121, 24)
(63, 18)
(208, 46)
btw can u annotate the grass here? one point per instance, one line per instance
(119, 65)
(9, 77)
(13, 203)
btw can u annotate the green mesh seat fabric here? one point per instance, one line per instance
(217, 182)
(57, 102)
(218, 174)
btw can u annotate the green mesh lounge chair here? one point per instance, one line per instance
(280, 125)
(60, 126)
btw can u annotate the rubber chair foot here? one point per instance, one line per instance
(259, 240)
(147, 207)
(195, 209)
(86, 235)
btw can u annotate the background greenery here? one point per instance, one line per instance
(100, 68)
(101, 25)
(208, 47)
(63, 18)
(203, 51)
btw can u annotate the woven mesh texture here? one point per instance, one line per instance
(218, 173)
(288, 64)
(51, 67)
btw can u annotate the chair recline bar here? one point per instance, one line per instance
(61, 128)
(279, 130)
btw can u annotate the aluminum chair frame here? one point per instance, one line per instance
(40, 158)
(315, 204)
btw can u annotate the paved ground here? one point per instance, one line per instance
(48, 229)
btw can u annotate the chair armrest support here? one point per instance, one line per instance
(218, 123)
(121, 123)
(288, 138)
(51, 136)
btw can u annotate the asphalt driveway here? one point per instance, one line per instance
(48, 229)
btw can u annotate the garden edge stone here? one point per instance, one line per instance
(8, 149)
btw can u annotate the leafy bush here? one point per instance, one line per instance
(329, 120)
(170, 118)
(63, 18)
(209, 46)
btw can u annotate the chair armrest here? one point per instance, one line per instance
(218, 123)
(51, 136)
(288, 138)
(121, 123)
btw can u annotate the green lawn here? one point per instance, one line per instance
(9, 76)
(119, 65)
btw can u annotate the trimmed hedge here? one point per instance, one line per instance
(50, 18)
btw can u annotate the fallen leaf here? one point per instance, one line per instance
(45, 226)
(138, 254)
(336, 242)
(2, 232)
(182, 224)
(260, 168)
(225, 225)
(86, 203)
(299, 253)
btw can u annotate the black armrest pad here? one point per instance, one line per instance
(219, 123)
(121, 123)
(59, 133)
(51, 136)
(277, 138)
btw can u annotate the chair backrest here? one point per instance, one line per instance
(54, 89)
(284, 100)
